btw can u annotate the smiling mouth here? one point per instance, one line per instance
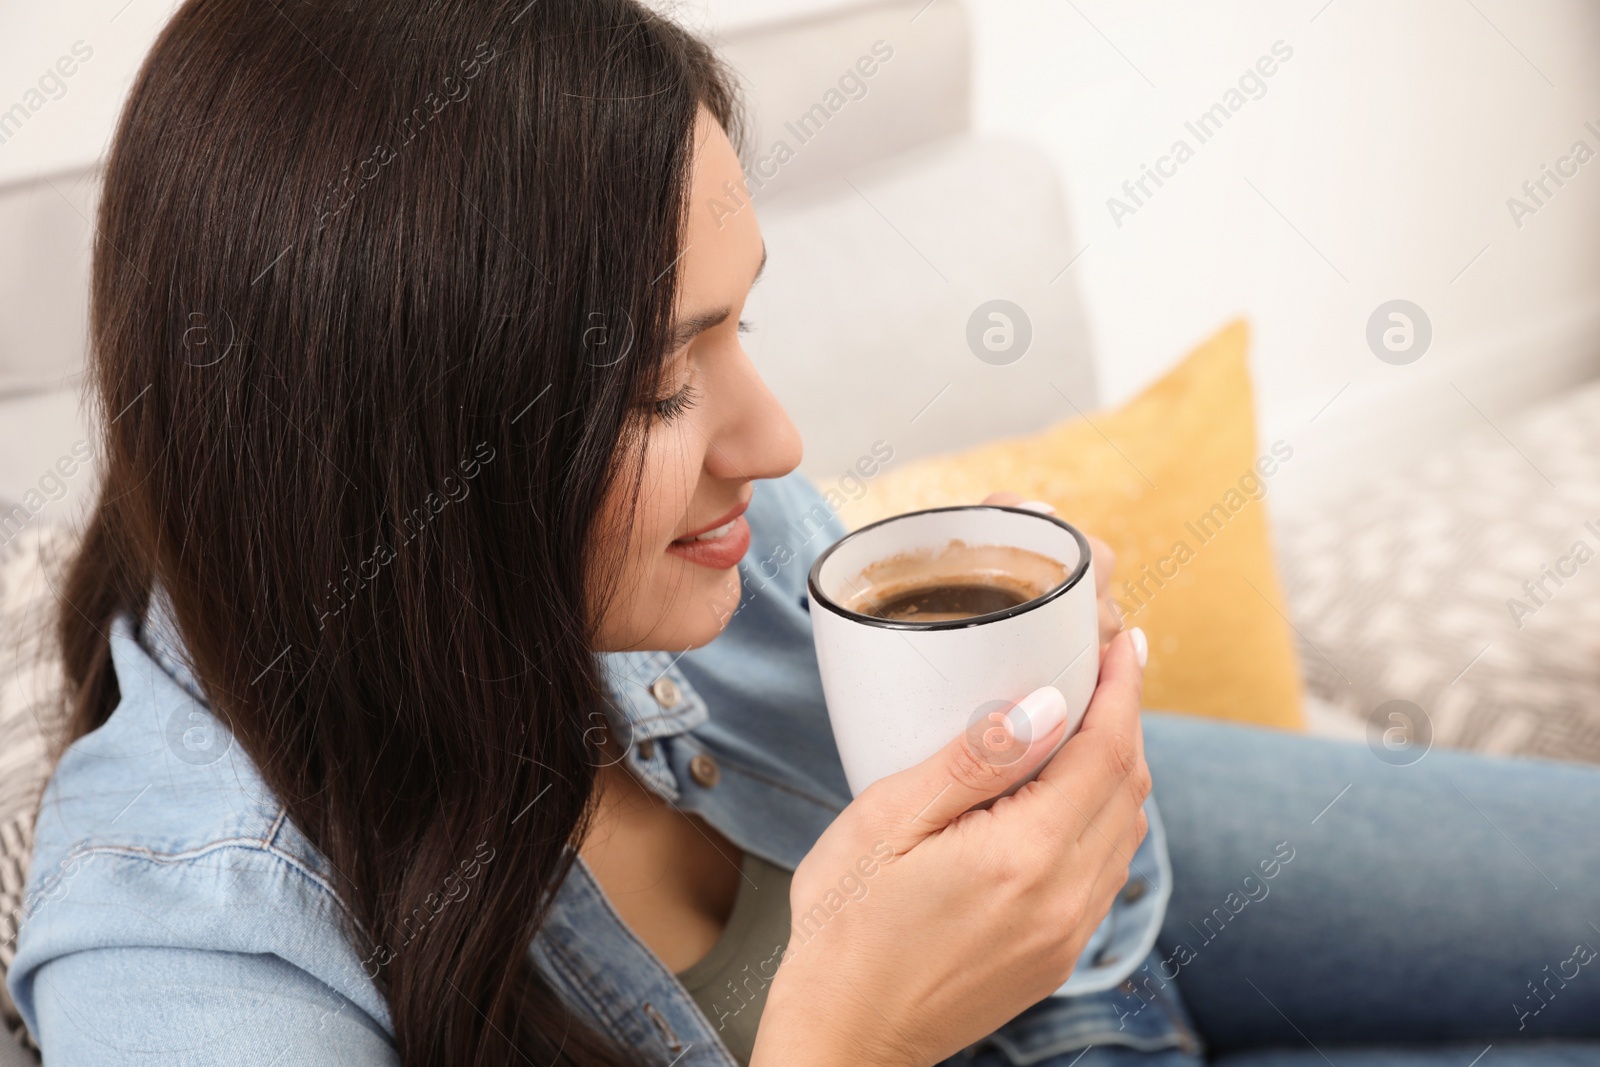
(710, 535)
(723, 526)
(718, 547)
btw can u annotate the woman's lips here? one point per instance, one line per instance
(718, 547)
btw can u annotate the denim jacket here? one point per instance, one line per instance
(174, 915)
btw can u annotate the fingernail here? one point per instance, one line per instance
(1039, 505)
(1036, 714)
(1141, 644)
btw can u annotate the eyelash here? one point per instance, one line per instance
(674, 406)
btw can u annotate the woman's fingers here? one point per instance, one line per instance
(938, 945)
(976, 766)
(1114, 874)
(1016, 500)
(1105, 562)
(1115, 834)
(1106, 756)
(1089, 792)
(1110, 621)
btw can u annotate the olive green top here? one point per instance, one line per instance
(730, 983)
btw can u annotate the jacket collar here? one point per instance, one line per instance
(158, 634)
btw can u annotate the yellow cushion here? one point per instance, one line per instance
(1174, 482)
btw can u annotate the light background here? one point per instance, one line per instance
(1377, 165)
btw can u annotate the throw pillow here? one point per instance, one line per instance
(1174, 481)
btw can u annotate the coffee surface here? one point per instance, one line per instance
(958, 581)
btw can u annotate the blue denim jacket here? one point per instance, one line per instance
(174, 915)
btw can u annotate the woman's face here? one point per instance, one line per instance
(715, 430)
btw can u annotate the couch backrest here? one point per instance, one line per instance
(846, 88)
(891, 227)
(44, 280)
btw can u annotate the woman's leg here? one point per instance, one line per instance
(1324, 897)
(1509, 1054)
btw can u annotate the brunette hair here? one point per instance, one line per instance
(381, 292)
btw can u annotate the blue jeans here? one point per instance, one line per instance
(1445, 912)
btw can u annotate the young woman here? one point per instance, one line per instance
(423, 712)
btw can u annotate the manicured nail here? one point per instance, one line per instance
(1036, 714)
(1141, 644)
(1039, 505)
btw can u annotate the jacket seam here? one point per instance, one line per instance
(627, 931)
(598, 1004)
(276, 827)
(243, 844)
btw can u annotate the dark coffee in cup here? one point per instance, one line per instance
(958, 581)
(943, 600)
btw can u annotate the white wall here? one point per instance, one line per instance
(1391, 141)
(74, 123)
(1376, 165)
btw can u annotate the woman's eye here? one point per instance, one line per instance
(669, 408)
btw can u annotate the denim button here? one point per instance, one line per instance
(1134, 891)
(665, 690)
(647, 748)
(704, 770)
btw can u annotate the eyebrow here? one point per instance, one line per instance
(687, 329)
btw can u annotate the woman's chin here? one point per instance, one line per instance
(696, 619)
(711, 614)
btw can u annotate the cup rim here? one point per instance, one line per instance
(815, 594)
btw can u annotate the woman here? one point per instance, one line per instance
(400, 731)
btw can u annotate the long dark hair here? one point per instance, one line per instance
(381, 294)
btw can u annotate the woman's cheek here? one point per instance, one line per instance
(672, 473)
(652, 519)
(654, 582)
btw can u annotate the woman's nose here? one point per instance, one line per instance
(758, 440)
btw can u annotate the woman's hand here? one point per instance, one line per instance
(921, 925)
(1099, 551)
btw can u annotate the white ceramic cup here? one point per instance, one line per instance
(899, 691)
